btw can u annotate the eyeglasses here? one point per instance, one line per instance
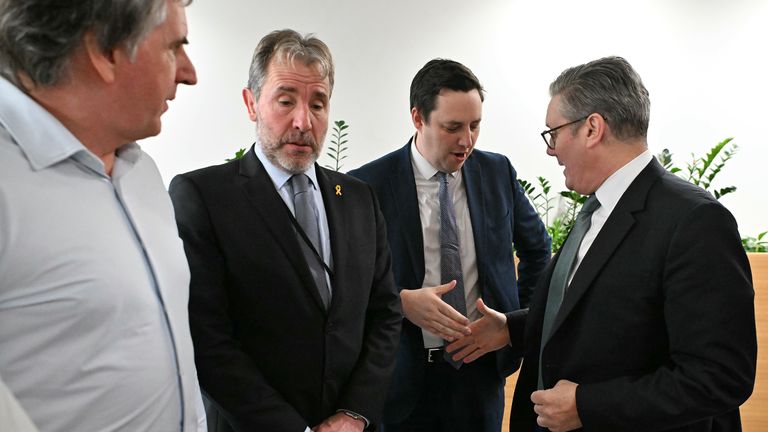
(549, 137)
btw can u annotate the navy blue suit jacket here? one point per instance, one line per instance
(501, 216)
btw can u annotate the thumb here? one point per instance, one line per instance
(481, 307)
(444, 288)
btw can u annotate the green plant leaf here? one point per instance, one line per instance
(238, 155)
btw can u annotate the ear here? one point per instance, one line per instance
(250, 104)
(596, 129)
(103, 63)
(418, 120)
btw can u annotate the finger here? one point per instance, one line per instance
(444, 288)
(459, 344)
(460, 355)
(476, 354)
(450, 317)
(443, 331)
(481, 307)
(537, 397)
(468, 354)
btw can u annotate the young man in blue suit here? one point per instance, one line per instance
(439, 176)
(651, 326)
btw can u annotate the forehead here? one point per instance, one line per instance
(458, 105)
(553, 110)
(296, 73)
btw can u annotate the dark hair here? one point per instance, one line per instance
(38, 37)
(609, 86)
(440, 74)
(286, 46)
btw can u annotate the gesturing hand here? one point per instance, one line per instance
(425, 308)
(489, 333)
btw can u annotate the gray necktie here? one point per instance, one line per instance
(306, 215)
(559, 281)
(450, 259)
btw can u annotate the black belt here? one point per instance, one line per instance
(434, 355)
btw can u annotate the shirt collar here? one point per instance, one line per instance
(278, 175)
(41, 136)
(614, 186)
(421, 164)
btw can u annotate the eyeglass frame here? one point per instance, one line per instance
(554, 129)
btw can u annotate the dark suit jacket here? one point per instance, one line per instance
(267, 352)
(657, 326)
(501, 215)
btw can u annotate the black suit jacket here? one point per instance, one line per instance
(267, 353)
(501, 216)
(657, 326)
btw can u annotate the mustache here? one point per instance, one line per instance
(304, 138)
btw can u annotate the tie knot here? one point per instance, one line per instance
(300, 183)
(442, 177)
(590, 205)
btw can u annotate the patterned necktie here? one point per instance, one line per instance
(450, 259)
(306, 215)
(559, 281)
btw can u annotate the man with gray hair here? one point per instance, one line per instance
(645, 320)
(293, 308)
(94, 334)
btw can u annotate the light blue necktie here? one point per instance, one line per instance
(559, 281)
(450, 258)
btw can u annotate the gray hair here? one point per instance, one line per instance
(285, 46)
(608, 86)
(38, 37)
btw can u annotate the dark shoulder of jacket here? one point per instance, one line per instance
(377, 169)
(226, 168)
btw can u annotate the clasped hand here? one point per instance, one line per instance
(487, 334)
(425, 308)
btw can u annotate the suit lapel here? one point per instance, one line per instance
(619, 223)
(403, 188)
(338, 221)
(473, 183)
(274, 215)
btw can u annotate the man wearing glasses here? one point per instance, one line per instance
(645, 320)
(453, 214)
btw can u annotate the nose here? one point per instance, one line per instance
(185, 70)
(550, 151)
(467, 138)
(301, 120)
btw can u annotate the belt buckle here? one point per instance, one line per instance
(431, 351)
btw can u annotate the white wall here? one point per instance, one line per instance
(703, 61)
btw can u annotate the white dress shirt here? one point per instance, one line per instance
(609, 194)
(427, 187)
(94, 283)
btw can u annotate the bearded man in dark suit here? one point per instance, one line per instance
(293, 310)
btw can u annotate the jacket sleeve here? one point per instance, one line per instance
(366, 389)
(533, 245)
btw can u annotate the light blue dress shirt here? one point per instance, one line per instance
(94, 283)
(281, 179)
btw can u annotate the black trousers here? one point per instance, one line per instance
(470, 399)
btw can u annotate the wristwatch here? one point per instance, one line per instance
(355, 416)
